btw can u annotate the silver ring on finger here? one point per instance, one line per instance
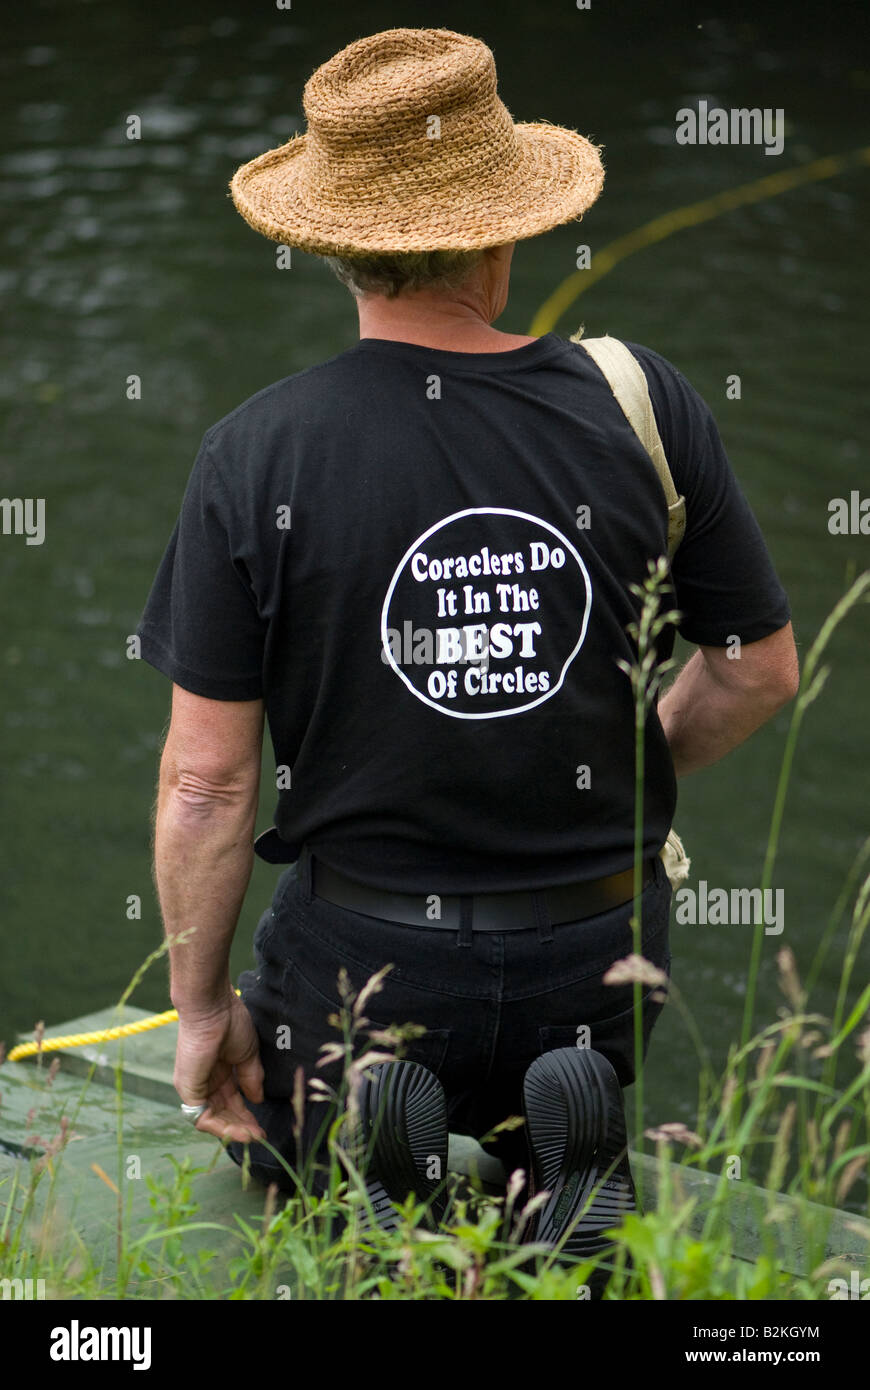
(193, 1112)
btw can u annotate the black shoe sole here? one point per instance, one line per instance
(575, 1125)
(403, 1112)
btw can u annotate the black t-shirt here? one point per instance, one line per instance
(393, 550)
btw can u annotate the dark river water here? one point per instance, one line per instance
(125, 257)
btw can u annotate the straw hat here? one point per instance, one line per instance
(376, 173)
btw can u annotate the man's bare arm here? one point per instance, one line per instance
(203, 856)
(717, 702)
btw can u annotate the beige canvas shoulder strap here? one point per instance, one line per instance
(627, 381)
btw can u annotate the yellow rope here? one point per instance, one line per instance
(123, 1030)
(545, 319)
(691, 215)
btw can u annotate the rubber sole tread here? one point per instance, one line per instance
(576, 1132)
(403, 1112)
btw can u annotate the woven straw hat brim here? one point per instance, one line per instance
(557, 176)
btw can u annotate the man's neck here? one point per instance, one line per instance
(433, 320)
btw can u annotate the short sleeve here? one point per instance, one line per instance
(201, 625)
(724, 578)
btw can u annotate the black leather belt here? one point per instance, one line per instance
(490, 912)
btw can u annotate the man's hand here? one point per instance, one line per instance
(218, 1054)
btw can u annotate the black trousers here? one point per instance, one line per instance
(489, 1008)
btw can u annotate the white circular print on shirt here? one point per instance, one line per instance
(485, 613)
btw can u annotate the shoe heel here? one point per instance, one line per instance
(576, 1131)
(403, 1113)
